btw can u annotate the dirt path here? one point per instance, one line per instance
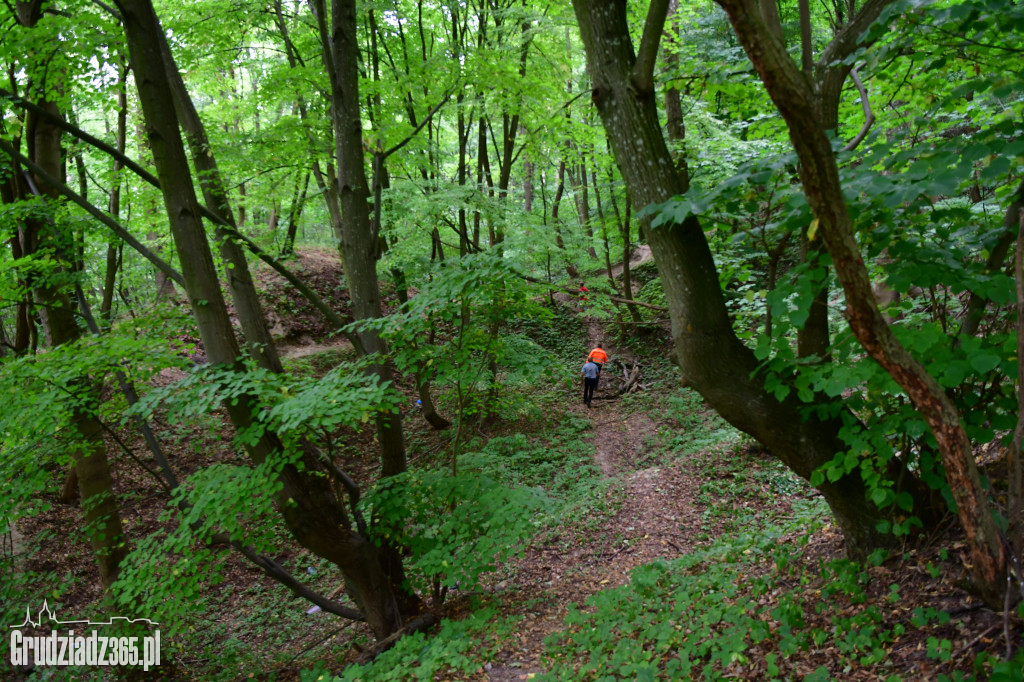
(306, 347)
(639, 255)
(656, 519)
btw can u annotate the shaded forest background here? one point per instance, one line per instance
(290, 320)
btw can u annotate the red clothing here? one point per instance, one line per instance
(598, 356)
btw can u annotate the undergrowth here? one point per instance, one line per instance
(457, 648)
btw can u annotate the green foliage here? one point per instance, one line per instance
(43, 392)
(561, 463)
(697, 618)
(167, 574)
(927, 190)
(457, 648)
(561, 334)
(292, 407)
(449, 333)
(692, 427)
(456, 527)
(914, 198)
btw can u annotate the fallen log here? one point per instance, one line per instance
(630, 376)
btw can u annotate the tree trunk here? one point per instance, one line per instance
(556, 202)
(114, 203)
(90, 472)
(675, 126)
(604, 229)
(294, 214)
(358, 242)
(259, 342)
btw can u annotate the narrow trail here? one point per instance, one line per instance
(657, 518)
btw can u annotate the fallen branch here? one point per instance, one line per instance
(615, 299)
(417, 624)
(630, 376)
(320, 641)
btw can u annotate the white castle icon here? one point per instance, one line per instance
(45, 615)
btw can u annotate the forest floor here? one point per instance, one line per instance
(666, 513)
(656, 519)
(664, 501)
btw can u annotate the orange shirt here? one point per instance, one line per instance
(598, 356)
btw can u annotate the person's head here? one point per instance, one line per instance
(597, 345)
(582, 284)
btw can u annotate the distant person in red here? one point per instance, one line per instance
(598, 357)
(584, 297)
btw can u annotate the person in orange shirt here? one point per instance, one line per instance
(598, 357)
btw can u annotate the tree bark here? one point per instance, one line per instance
(259, 342)
(556, 202)
(294, 214)
(114, 202)
(358, 242)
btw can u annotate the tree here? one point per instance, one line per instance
(39, 235)
(316, 517)
(796, 100)
(712, 359)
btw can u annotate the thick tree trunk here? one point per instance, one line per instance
(99, 504)
(713, 360)
(819, 173)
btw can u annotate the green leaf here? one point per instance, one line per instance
(984, 361)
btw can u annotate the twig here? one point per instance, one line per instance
(619, 551)
(319, 642)
(974, 641)
(869, 118)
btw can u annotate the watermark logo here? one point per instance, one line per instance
(63, 647)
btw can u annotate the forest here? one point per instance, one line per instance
(295, 296)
